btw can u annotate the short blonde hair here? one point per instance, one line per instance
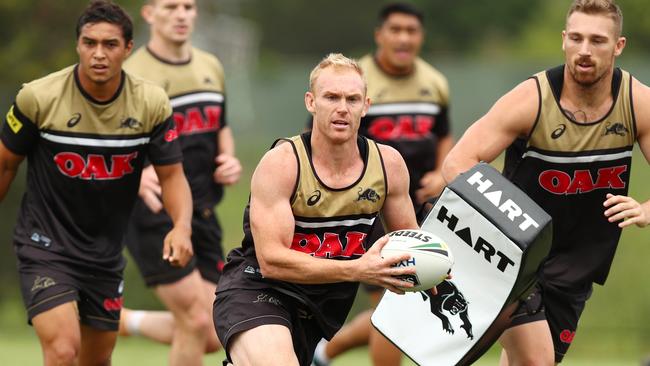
(600, 7)
(336, 60)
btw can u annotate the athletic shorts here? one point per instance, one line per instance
(238, 310)
(561, 307)
(145, 235)
(45, 286)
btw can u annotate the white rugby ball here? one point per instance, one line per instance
(430, 256)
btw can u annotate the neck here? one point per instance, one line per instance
(99, 91)
(587, 96)
(170, 51)
(391, 69)
(337, 163)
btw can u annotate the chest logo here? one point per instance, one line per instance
(368, 195)
(583, 181)
(74, 120)
(314, 198)
(616, 128)
(559, 131)
(130, 122)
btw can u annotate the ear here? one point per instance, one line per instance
(129, 48)
(620, 45)
(309, 102)
(563, 40)
(366, 105)
(147, 13)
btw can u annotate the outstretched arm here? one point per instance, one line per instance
(177, 200)
(511, 116)
(228, 167)
(626, 208)
(272, 225)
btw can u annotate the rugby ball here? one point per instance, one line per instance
(430, 256)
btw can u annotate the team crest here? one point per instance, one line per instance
(450, 300)
(368, 195)
(616, 128)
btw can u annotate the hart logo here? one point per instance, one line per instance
(94, 167)
(401, 127)
(198, 120)
(449, 299)
(331, 246)
(480, 245)
(314, 198)
(368, 195)
(558, 131)
(74, 120)
(511, 209)
(559, 182)
(616, 128)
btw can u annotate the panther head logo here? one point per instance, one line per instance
(368, 195)
(615, 128)
(450, 300)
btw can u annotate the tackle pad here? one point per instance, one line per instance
(499, 237)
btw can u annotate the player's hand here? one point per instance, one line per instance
(375, 270)
(431, 184)
(228, 169)
(150, 190)
(626, 209)
(177, 247)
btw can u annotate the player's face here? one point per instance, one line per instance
(399, 40)
(173, 20)
(102, 50)
(590, 43)
(337, 103)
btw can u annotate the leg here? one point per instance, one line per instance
(269, 344)
(96, 346)
(382, 351)
(186, 301)
(155, 325)
(528, 344)
(59, 333)
(212, 343)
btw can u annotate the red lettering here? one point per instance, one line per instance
(611, 177)
(403, 126)
(179, 120)
(213, 115)
(555, 181)
(306, 243)
(581, 183)
(171, 135)
(566, 336)
(354, 246)
(424, 125)
(382, 128)
(94, 168)
(331, 247)
(193, 121)
(114, 304)
(70, 164)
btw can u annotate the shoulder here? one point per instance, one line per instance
(366, 62)
(207, 57)
(393, 160)
(153, 97)
(641, 104)
(136, 59)
(38, 94)
(278, 167)
(427, 72)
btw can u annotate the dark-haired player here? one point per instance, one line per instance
(409, 112)
(86, 131)
(569, 132)
(194, 81)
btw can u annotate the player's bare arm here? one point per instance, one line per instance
(149, 189)
(9, 163)
(432, 183)
(228, 166)
(512, 116)
(177, 200)
(626, 208)
(272, 225)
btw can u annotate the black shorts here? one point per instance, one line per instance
(144, 238)
(238, 310)
(45, 286)
(561, 307)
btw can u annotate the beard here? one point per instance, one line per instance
(587, 80)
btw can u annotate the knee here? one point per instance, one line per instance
(62, 351)
(212, 345)
(198, 321)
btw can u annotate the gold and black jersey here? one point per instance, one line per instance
(84, 163)
(568, 167)
(408, 112)
(196, 91)
(331, 224)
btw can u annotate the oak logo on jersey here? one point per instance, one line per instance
(559, 131)
(449, 299)
(198, 120)
(314, 198)
(130, 122)
(331, 246)
(74, 120)
(368, 195)
(13, 122)
(582, 181)
(401, 127)
(94, 167)
(616, 128)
